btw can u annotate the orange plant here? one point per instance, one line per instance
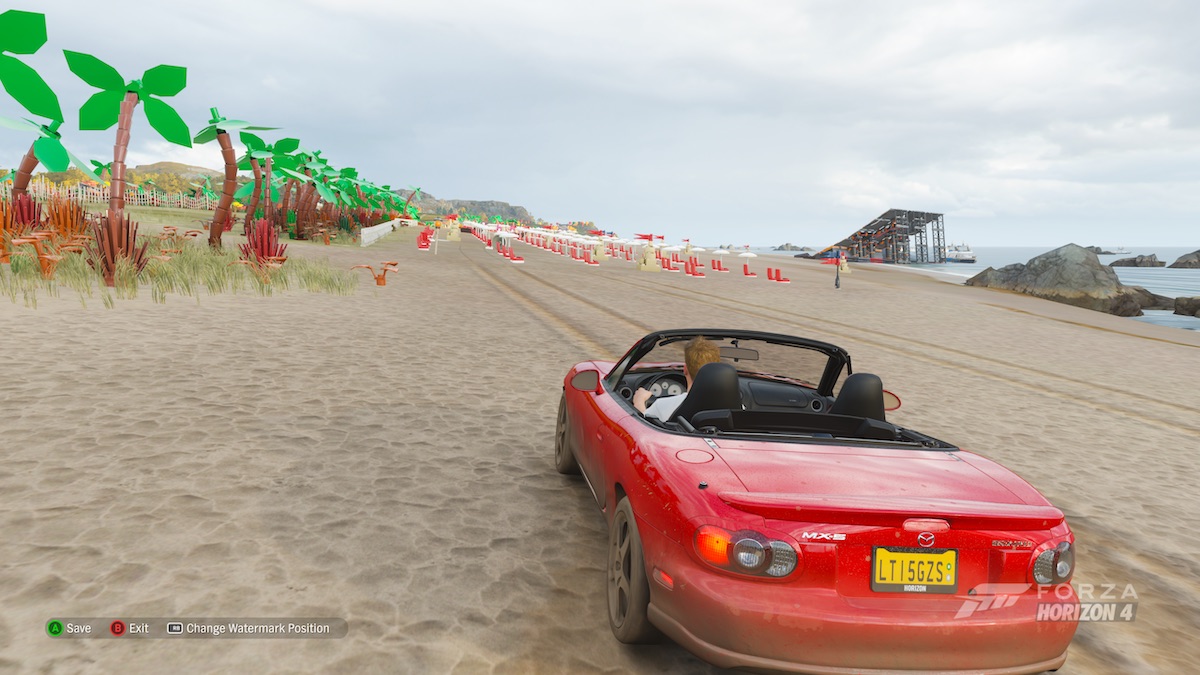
(381, 277)
(65, 218)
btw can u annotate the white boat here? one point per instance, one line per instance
(959, 253)
(1121, 250)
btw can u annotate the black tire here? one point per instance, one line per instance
(628, 589)
(564, 456)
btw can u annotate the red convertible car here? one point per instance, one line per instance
(777, 521)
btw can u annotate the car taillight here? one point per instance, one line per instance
(745, 552)
(1055, 565)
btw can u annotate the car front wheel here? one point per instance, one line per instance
(628, 590)
(564, 458)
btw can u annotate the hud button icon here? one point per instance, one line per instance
(117, 628)
(174, 628)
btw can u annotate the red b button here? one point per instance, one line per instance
(117, 628)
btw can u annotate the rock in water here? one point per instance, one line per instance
(1188, 306)
(1070, 274)
(1139, 261)
(1190, 261)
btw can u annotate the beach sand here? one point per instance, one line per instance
(386, 458)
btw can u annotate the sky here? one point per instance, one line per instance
(745, 122)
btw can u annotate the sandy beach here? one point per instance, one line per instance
(386, 457)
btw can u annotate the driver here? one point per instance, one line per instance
(696, 354)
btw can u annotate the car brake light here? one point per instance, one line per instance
(1055, 565)
(746, 552)
(712, 543)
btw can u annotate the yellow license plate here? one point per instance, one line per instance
(906, 570)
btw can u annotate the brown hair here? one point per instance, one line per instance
(698, 352)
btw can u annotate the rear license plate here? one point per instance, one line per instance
(908, 570)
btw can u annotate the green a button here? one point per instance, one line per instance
(54, 628)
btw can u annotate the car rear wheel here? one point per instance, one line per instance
(628, 590)
(564, 458)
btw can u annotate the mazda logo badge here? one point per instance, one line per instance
(925, 539)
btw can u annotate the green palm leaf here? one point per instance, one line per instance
(22, 32)
(28, 88)
(82, 166)
(244, 191)
(101, 110)
(50, 151)
(164, 80)
(167, 122)
(95, 72)
(286, 146)
(251, 141)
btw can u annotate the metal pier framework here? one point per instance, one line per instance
(898, 236)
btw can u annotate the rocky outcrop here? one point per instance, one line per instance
(1150, 300)
(1190, 261)
(1070, 274)
(1188, 306)
(788, 247)
(488, 209)
(1139, 261)
(1097, 250)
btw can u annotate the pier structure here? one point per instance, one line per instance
(897, 236)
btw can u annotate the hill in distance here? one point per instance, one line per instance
(181, 170)
(426, 202)
(432, 205)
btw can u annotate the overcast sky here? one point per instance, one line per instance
(1026, 123)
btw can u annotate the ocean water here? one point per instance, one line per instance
(1160, 280)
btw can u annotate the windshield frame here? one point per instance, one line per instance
(837, 358)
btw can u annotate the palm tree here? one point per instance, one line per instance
(217, 129)
(258, 150)
(25, 33)
(115, 104)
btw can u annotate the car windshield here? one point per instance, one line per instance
(758, 358)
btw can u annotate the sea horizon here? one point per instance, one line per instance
(1174, 283)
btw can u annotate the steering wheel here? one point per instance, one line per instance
(664, 384)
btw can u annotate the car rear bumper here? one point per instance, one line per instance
(734, 623)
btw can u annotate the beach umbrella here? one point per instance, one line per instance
(747, 254)
(673, 249)
(721, 251)
(697, 249)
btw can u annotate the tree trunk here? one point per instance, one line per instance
(302, 207)
(253, 205)
(116, 192)
(286, 199)
(24, 172)
(268, 209)
(230, 186)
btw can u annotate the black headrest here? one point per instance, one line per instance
(861, 396)
(715, 387)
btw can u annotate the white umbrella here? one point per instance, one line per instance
(747, 254)
(721, 251)
(697, 249)
(672, 249)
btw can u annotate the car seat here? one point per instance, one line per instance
(861, 396)
(715, 387)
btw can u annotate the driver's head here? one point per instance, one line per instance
(696, 353)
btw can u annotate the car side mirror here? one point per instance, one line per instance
(890, 401)
(586, 380)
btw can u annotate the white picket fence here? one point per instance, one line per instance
(44, 190)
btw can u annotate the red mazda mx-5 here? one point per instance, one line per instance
(776, 520)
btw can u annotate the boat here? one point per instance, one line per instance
(959, 253)
(1121, 250)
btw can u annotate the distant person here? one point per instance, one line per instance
(697, 353)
